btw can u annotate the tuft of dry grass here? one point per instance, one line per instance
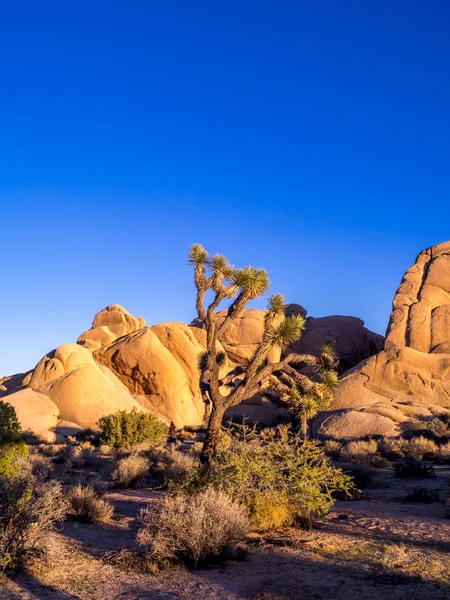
(130, 471)
(361, 450)
(88, 506)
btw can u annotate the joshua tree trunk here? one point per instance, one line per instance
(212, 434)
(304, 429)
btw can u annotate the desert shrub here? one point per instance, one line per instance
(422, 494)
(174, 468)
(9, 424)
(432, 428)
(51, 450)
(27, 511)
(11, 456)
(360, 450)
(333, 448)
(106, 450)
(123, 430)
(361, 474)
(89, 506)
(41, 469)
(392, 447)
(420, 447)
(443, 453)
(130, 471)
(379, 461)
(283, 471)
(191, 528)
(414, 469)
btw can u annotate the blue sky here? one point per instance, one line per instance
(311, 138)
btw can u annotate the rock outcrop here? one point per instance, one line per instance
(109, 324)
(414, 369)
(158, 365)
(353, 342)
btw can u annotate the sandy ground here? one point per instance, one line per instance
(375, 547)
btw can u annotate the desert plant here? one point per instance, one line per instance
(443, 454)
(333, 448)
(174, 468)
(215, 274)
(420, 447)
(41, 469)
(422, 494)
(27, 512)
(123, 430)
(11, 457)
(360, 450)
(413, 468)
(288, 473)
(89, 506)
(9, 424)
(129, 471)
(392, 447)
(191, 528)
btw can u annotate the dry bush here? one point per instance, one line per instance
(414, 469)
(106, 450)
(360, 450)
(443, 453)
(421, 447)
(88, 506)
(41, 469)
(27, 512)
(392, 447)
(191, 529)
(50, 450)
(175, 468)
(333, 448)
(129, 471)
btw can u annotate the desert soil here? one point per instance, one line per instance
(376, 547)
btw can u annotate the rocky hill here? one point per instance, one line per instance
(121, 363)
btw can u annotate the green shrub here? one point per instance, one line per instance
(414, 469)
(130, 471)
(28, 510)
(123, 430)
(283, 474)
(88, 506)
(11, 456)
(191, 528)
(9, 424)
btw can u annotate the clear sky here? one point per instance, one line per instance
(310, 138)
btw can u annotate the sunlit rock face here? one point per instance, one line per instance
(414, 368)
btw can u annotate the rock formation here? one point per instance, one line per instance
(414, 368)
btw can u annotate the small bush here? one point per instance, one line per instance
(360, 450)
(333, 448)
(361, 474)
(88, 506)
(175, 469)
(27, 512)
(414, 469)
(420, 447)
(392, 447)
(9, 424)
(130, 471)
(422, 494)
(11, 457)
(191, 529)
(443, 453)
(41, 469)
(123, 430)
(51, 450)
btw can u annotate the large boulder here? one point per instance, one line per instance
(159, 366)
(243, 336)
(35, 412)
(420, 317)
(412, 374)
(353, 342)
(82, 390)
(109, 324)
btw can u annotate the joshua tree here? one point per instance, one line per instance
(214, 274)
(306, 405)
